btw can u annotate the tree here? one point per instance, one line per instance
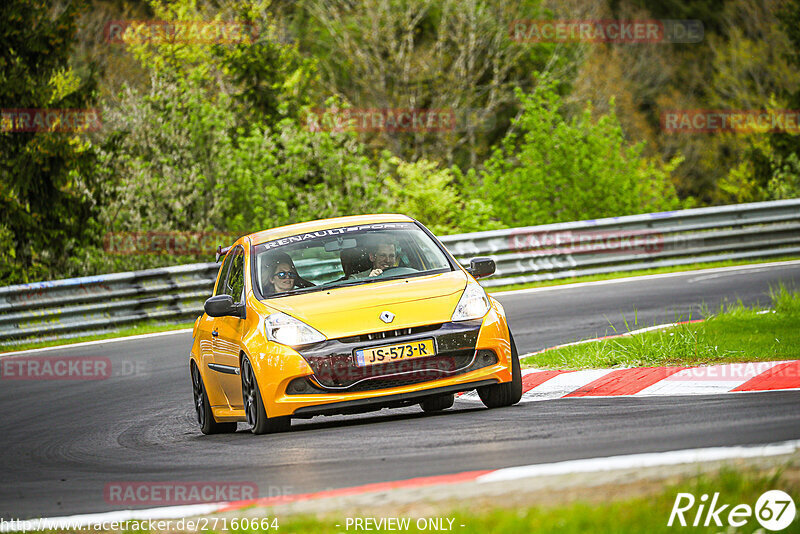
(407, 54)
(215, 143)
(46, 183)
(554, 169)
(785, 179)
(430, 194)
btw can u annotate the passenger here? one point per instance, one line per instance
(383, 256)
(283, 278)
(279, 275)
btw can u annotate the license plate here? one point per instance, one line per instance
(392, 353)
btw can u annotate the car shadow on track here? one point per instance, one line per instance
(360, 420)
(337, 421)
(344, 421)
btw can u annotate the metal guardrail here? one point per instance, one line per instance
(78, 306)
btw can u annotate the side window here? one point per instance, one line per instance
(235, 281)
(226, 265)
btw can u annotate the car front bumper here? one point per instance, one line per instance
(334, 392)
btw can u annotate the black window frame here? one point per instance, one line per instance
(222, 283)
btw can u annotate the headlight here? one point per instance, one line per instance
(473, 304)
(287, 330)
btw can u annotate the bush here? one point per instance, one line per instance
(428, 193)
(551, 168)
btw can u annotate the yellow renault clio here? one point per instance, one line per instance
(344, 316)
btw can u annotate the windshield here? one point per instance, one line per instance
(349, 255)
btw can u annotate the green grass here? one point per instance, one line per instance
(641, 272)
(144, 328)
(735, 334)
(642, 514)
(647, 511)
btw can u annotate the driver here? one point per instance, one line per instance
(383, 256)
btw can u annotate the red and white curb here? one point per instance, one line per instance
(653, 381)
(590, 465)
(540, 385)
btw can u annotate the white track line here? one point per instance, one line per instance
(98, 342)
(590, 465)
(646, 277)
(636, 461)
(612, 336)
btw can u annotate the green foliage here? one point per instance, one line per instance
(429, 54)
(289, 174)
(785, 164)
(164, 158)
(46, 204)
(271, 79)
(232, 155)
(785, 301)
(766, 173)
(755, 68)
(428, 193)
(551, 168)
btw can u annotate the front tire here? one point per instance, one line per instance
(205, 417)
(438, 403)
(509, 393)
(254, 405)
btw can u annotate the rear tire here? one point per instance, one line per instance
(205, 417)
(509, 393)
(254, 405)
(438, 403)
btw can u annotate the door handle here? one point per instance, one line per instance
(214, 333)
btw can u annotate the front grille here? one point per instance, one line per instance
(427, 369)
(435, 368)
(386, 383)
(335, 368)
(363, 338)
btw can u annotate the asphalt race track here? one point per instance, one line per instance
(63, 441)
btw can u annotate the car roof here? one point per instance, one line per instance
(324, 224)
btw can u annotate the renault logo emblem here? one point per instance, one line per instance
(387, 317)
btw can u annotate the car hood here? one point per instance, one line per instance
(354, 310)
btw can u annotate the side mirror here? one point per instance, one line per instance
(480, 267)
(223, 306)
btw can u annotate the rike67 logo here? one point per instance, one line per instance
(774, 510)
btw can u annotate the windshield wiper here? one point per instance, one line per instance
(351, 282)
(369, 280)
